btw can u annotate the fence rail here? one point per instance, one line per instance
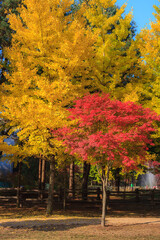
(92, 195)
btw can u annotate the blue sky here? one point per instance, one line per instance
(142, 11)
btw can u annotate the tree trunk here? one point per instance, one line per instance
(118, 180)
(104, 200)
(41, 178)
(64, 190)
(39, 174)
(18, 187)
(71, 181)
(43, 174)
(86, 169)
(50, 203)
(105, 178)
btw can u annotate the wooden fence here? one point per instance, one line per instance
(93, 195)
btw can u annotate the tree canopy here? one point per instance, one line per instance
(109, 133)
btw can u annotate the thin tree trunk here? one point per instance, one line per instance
(18, 187)
(50, 203)
(43, 174)
(39, 175)
(64, 193)
(86, 169)
(71, 181)
(104, 200)
(118, 180)
(105, 178)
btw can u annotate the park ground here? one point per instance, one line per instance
(31, 223)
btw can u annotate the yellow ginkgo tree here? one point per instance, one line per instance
(149, 46)
(114, 66)
(48, 55)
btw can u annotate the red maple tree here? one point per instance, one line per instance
(109, 133)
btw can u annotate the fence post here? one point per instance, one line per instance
(19, 197)
(152, 197)
(108, 197)
(137, 195)
(124, 195)
(61, 194)
(98, 193)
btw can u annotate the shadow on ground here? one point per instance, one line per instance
(71, 223)
(50, 224)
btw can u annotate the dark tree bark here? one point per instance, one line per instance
(50, 203)
(86, 169)
(71, 181)
(64, 189)
(39, 174)
(41, 177)
(43, 174)
(118, 179)
(18, 186)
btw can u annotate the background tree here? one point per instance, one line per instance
(49, 48)
(6, 6)
(115, 61)
(149, 47)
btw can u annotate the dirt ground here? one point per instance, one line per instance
(33, 224)
(80, 228)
